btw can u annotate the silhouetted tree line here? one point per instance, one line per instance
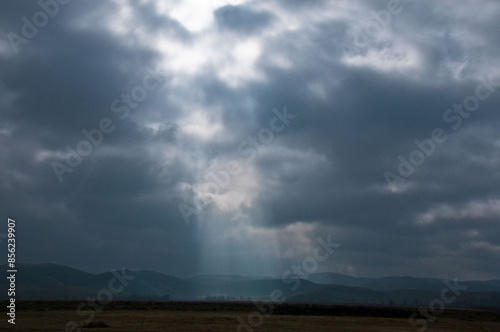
(227, 298)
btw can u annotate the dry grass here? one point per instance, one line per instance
(221, 320)
(94, 325)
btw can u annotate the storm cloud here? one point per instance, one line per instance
(226, 136)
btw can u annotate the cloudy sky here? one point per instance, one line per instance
(226, 136)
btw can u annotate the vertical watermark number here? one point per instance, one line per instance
(11, 269)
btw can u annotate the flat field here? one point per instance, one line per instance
(223, 316)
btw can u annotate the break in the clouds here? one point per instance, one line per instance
(225, 136)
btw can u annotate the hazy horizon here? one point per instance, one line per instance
(274, 277)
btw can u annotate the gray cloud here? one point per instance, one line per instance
(242, 19)
(322, 174)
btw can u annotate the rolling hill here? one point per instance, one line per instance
(57, 282)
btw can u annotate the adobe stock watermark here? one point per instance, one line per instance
(103, 297)
(291, 276)
(250, 148)
(436, 306)
(455, 117)
(95, 136)
(371, 28)
(30, 28)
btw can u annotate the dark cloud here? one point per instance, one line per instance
(322, 173)
(242, 19)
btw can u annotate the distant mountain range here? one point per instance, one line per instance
(399, 283)
(57, 282)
